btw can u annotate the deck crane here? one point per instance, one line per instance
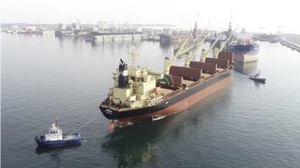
(168, 62)
(204, 54)
(189, 57)
(218, 50)
(194, 37)
(164, 77)
(77, 28)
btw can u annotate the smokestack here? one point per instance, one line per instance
(123, 74)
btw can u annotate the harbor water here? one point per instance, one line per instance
(246, 124)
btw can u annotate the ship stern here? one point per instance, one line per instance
(108, 113)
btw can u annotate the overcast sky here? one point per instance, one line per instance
(251, 14)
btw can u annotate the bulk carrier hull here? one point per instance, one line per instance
(178, 101)
(245, 57)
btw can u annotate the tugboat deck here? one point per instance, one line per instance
(68, 137)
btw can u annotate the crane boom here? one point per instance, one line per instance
(225, 43)
(189, 57)
(204, 54)
(168, 62)
(217, 51)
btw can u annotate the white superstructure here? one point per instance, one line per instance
(54, 133)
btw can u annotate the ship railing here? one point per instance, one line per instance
(222, 71)
(106, 102)
(195, 83)
(210, 77)
(117, 106)
(172, 94)
(155, 101)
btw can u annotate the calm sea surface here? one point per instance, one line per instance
(246, 124)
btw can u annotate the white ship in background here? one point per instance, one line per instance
(109, 31)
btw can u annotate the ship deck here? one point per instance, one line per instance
(204, 75)
(219, 69)
(165, 91)
(69, 137)
(187, 82)
(171, 92)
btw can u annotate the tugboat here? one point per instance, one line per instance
(258, 78)
(55, 138)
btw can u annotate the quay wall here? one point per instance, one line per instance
(291, 40)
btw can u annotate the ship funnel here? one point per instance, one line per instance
(123, 74)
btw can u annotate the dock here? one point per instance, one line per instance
(291, 41)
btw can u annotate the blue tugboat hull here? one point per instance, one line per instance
(75, 141)
(244, 53)
(261, 80)
(239, 48)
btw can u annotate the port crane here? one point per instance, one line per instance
(193, 37)
(229, 31)
(204, 54)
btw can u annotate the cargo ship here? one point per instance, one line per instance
(245, 49)
(112, 36)
(140, 94)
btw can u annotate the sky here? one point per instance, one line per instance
(253, 15)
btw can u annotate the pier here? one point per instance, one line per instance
(291, 41)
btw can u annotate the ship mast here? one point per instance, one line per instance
(229, 34)
(133, 54)
(192, 36)
(189, 57)
(195, 28)
(229, 27)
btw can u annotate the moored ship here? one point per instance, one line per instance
(140, 94)
(245, 49)
(112, 36)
